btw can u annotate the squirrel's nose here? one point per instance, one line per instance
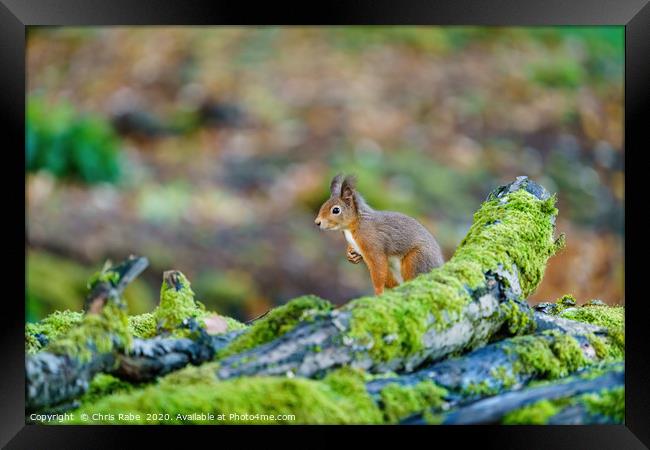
(317, 222)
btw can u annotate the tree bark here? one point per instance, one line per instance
(488, 370)
(151, 358)
(492, 410)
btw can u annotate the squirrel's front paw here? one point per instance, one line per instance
(353, 257)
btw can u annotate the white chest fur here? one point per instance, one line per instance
(351, 241)
(394, 262)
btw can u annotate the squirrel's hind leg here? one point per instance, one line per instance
(391, 280)
(413, 264)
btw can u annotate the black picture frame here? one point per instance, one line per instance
(16, 15)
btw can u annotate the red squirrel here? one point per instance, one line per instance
(395, 247)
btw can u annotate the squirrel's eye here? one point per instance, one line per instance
(336, 210)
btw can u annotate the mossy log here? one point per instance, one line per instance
(592, 397)
(103, 340)
(508, 364)
(476, 295)
(64, 371)
(346, 395)
(151, 358)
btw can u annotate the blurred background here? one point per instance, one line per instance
(210, 149)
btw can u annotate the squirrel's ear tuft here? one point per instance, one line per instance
(335, 186)
(347, 188)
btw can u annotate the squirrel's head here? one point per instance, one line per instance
(340, 210)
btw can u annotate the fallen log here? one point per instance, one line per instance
(151, 358)
(195, 395)
(103, 342)
(504, 365)
(346, 396)
(475, 296)
(64, 370)
(565, 399)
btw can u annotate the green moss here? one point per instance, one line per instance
(401, 401)
(600, 347)
(379, 376)
(504, 375)
(518, 320)
(339, 398)
(104, 276)
(547, 358)
(608, 402)
(277, 322)
(567, 301)
(54, 325)
(103, 385)
(517, 231)
(597, 313)
(176, 303)
(611, 317)
(481, 389)
(535, 414)
(432, 418)
(95, 333)
(190, 375)
(143, 325)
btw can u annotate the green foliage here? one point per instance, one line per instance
(70, 145)
(558, 73)
(104, 276)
